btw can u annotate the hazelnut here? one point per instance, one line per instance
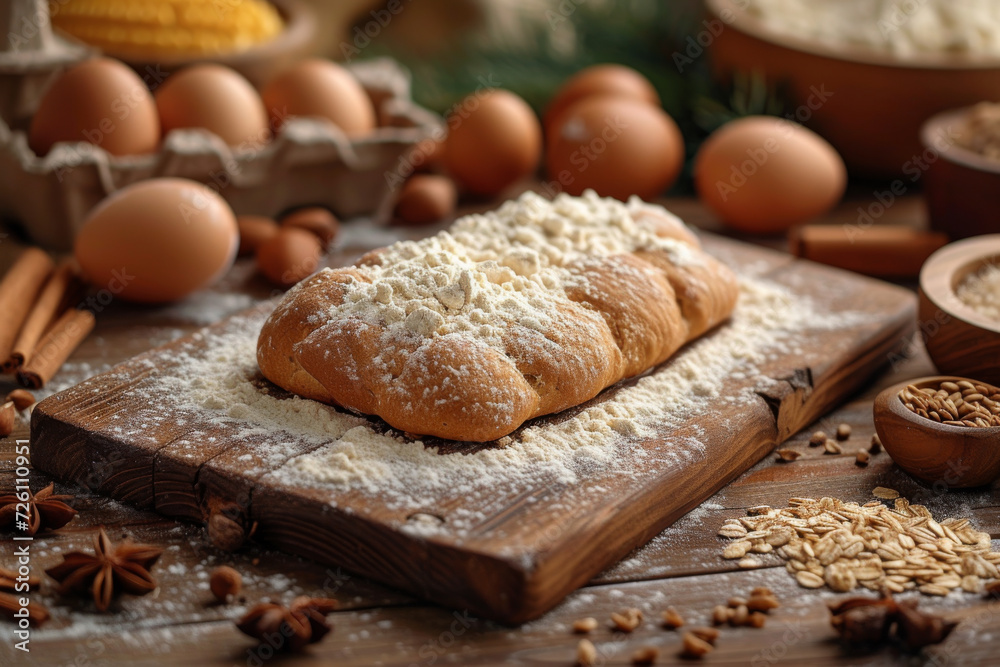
(316, 220)
(225, 581)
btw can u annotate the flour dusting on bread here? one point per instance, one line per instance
(509, 315)
(506, 266)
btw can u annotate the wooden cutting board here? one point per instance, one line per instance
(527, 549)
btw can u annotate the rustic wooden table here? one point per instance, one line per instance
(180, 625)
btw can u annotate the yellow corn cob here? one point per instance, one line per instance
(142, 29)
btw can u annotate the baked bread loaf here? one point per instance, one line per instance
(513, 314)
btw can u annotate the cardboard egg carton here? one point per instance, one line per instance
(310, 162)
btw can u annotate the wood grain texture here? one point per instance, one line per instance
(529, 550)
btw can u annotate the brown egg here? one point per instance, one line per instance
(320, 89)
(254, 230)
(609, 80)
(289, 256)
(426, 198)
(102, 102)
(616, 146)
(494, 140)
(157, 241)
(217, 99)
(763, 174)
(317, 220)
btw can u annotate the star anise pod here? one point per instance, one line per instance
(917, 629)
(8, 580)
(864, 623)
(289, 628)
(45, 511)
(111, 569)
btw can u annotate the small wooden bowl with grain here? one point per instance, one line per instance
(939, 454)
(959, 339)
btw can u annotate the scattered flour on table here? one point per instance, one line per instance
(208, 306)
(981, 292)
(350, 454)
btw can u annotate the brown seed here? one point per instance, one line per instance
(8, 416)
(707, 634)
(787, 455)
(289, 256)
(315, 220)
(862, 458)
(225, 581)
(739, 616)
(225, 533)
(626, 620)
(843, 431)
(735, 601)
(586, 654)
(21, 398)
(694, 647)
(757, 620)
(761, 590)
(876, 446)
(672, 619)
(426, 198)
(647, 655)
(885, 493)
(720, 614)
(817, 439)
(763, 603)
(831, 447)
(254, 230)
(584, 625)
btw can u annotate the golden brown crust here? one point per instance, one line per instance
(625, 313)
(290, 323)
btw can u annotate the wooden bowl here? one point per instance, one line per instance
(870, 105)
(960, 340)
(961, 186)
(956, 456)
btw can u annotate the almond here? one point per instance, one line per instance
(22, 398)
(8, 415)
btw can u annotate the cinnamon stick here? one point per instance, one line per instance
(881, 250)
(55, 347)
(50, 302)
(18, 291)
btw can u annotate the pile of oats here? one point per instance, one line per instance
(845, 545)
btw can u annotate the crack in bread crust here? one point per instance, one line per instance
(440, 337)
